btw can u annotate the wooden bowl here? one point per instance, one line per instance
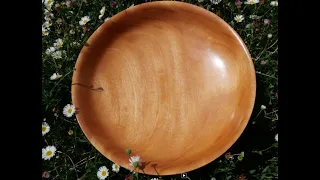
(169, 80)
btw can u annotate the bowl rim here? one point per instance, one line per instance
(200, 10)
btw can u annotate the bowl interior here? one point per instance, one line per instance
(169, 80)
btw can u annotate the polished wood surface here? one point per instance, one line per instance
(169, 80)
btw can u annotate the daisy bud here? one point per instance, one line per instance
(135, 164)
(238, 3)
(46, 174)
(128, 151)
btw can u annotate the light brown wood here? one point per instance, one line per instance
(169, 80)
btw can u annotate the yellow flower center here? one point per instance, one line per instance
(104, 173)
(50, 1)
(44, 128)
(275, 3)
(116, 166)
(59, 44)
(238, 19)
(48, 153)
(69, 111)
(85, 21)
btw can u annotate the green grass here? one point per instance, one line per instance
(76, 158)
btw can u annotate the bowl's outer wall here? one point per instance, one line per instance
(177, 87)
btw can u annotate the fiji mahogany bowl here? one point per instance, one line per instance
(169, 80)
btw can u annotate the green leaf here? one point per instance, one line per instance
(229, 177)
(242, 154)
(262, 177)
(82, 140)
(265, 169)
(252, 171)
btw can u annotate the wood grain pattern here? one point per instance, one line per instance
(177, 87)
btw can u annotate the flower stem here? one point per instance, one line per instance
(74, 167)
(257, 115)
(268, 148)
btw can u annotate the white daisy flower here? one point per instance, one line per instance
(135, 161)
(274, 3)
(58, 43)
(48, 2)
(102, 12)
(47, 18)
(45, 31)
(84, 20)
(55, 76)
(276, 137)
(47, 24)
(49, 7)
(72, 31)
(46, 12)
(48, 152)
(269, 35)
(57, 55)
(154, 179)
(57, 5)
(103, 173)
(45, 128)
(70, 132)
(106, 19)
(68, 3)
(59, 21)
(239, 18)
(69, 110)
(50, 50)
(254, 17)
(215, 1)
(75, 44)
(115, 167)
(42, 1)
(251, 2)
(263, 107)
